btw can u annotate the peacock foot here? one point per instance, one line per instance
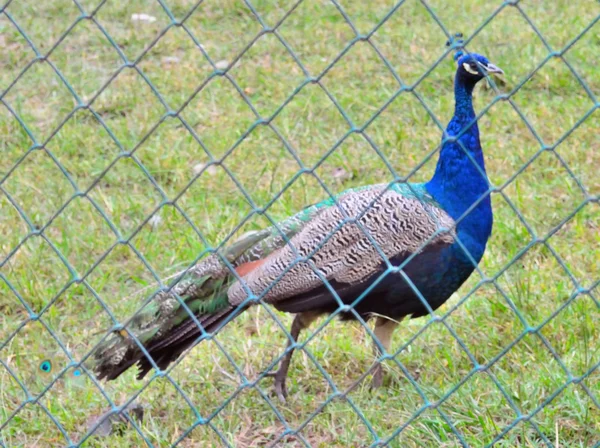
(279, 384)
(377, 380)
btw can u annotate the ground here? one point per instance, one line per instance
(100, 203)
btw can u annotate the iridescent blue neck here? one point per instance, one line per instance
(451, 164)
(460, 180)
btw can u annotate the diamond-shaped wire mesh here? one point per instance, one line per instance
(138, 137)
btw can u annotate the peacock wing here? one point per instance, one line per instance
(333, 246)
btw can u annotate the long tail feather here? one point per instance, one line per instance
(164, 328)
(169, 349)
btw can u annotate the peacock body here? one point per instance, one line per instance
(435, 231)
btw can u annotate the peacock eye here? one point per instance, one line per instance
(471, 67)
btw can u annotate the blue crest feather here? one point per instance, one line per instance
(457, 43)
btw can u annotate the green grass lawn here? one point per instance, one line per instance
(124, 199)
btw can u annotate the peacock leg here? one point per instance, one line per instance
(384, 328)
(301, 321)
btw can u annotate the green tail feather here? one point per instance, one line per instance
(163, 324)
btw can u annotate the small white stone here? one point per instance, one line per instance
(143, 18)
(155, 221)
(171, 60)
(197, 169)
(221, 65)
(341, 174)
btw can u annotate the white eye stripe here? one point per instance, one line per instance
(468, 68)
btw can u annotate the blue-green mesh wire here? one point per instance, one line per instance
(81, 278)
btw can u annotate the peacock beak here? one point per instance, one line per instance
(491, 68)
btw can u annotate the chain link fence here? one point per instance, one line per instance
(138, 137)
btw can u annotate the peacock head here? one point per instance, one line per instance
(474, 67)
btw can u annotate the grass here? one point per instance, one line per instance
(87, 212)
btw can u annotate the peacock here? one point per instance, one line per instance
(385, 251)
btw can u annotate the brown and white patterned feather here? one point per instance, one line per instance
(397, 223)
